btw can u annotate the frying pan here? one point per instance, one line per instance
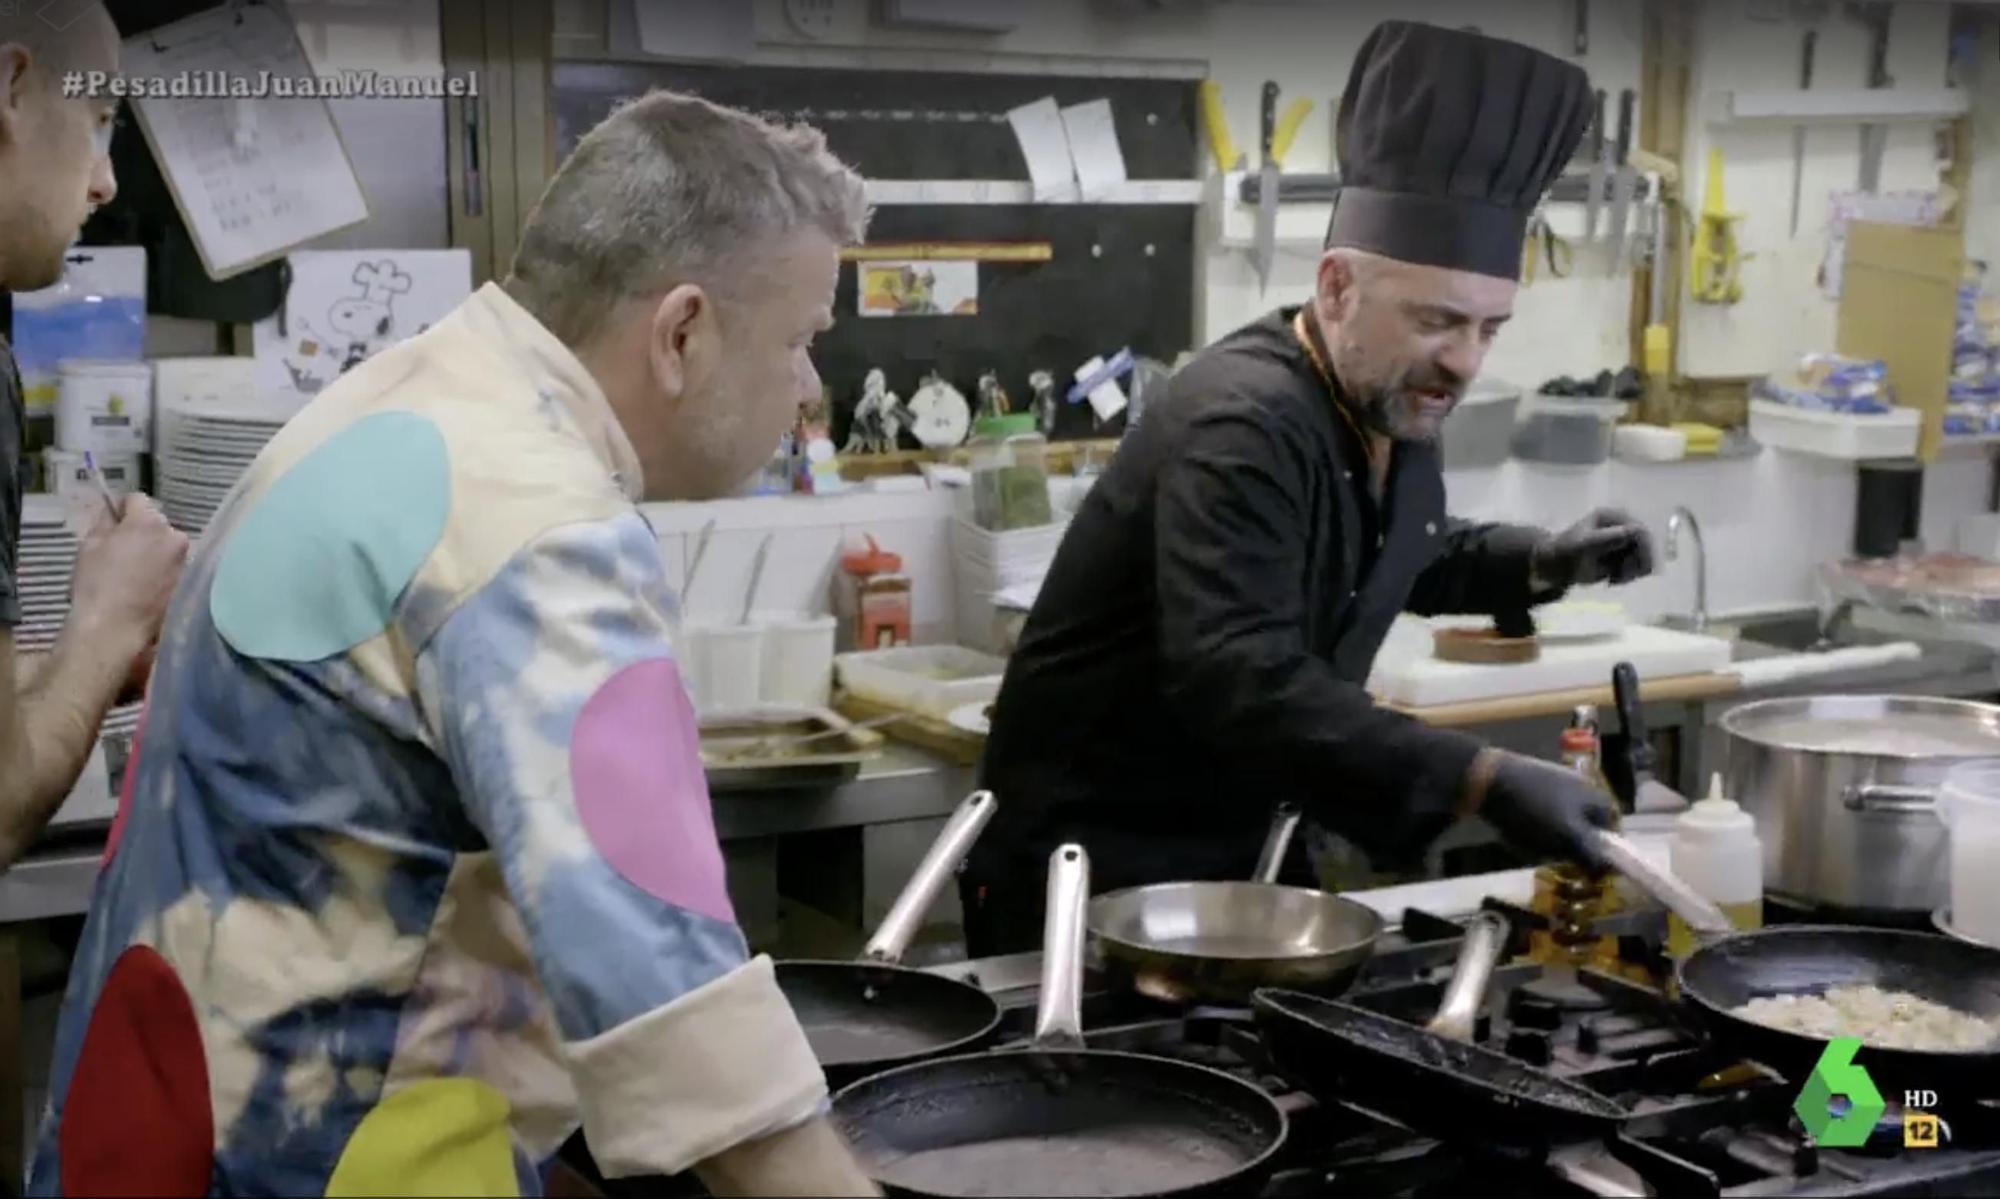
(1729, 968)
(870, 1015)
(1054, 1118)
(1218, 941)
(1432, 1078)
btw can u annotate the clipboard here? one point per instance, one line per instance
(252, 177)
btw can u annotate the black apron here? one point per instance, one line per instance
(1198, 649)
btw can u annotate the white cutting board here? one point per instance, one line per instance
(1407, 675)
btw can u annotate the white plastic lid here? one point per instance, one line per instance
(103, 368)
(1715, 817)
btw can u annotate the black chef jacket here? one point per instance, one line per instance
(1199, 648)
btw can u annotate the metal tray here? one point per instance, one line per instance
(830, 761)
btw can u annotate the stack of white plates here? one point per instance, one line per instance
(46, 562)
(209, 425)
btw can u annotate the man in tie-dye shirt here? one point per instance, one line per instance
(415, 873)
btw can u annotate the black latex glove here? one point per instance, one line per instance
(1608, 546)
(1545, 810)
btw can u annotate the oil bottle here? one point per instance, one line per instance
(1715, 848)
(1567, 896)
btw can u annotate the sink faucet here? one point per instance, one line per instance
(1682, 518)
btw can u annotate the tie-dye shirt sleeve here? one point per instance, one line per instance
(554, 697)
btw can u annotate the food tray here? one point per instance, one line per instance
(933, 680)
(832, 760)
(1949, 587)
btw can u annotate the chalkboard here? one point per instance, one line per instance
(1121, 276)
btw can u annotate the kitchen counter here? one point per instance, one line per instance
(902, 786)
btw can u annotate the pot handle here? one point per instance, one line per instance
(1465, 994)
(924, 887)
(1886, 797)
(1271, 859)
(1059, 1015)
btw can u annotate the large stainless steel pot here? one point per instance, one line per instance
(1843, 789)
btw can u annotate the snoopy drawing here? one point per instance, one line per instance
(359, 325)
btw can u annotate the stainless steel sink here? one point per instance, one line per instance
(1791, 631)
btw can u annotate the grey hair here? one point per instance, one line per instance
(672, 189)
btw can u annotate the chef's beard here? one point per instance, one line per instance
(1397, 410)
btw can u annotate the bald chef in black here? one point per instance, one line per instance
(1199, 648)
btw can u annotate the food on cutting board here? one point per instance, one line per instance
(1881, 1019)
(1508, 640)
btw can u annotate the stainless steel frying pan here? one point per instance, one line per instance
(1219, 941)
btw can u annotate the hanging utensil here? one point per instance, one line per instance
(1627, 181)
(756, 577)
(1265, 248)
(1220, 143)
(1600, 170)
(1877, 15)
(1808, 49)
(694, 563)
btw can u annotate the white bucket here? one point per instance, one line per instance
(104, 407)
(797, 658)
(1969, 802)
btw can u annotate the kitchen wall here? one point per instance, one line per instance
(1767, 521)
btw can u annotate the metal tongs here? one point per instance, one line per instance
(1703, 918)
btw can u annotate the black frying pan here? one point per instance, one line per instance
(1432, 1078)
(1054, 1118)
(1730, 968)
(1730, 971)
(861, 1017)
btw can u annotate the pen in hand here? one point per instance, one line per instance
(103, 488)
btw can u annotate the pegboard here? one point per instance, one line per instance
(1121, 275)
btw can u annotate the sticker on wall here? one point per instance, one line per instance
(924, 288)
(345, 306)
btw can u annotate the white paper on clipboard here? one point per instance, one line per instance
(252, 177)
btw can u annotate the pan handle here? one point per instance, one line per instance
(1478, 953)
(1884, 797)
(1059, 1016)
(1271, 859)
(924, 887)
(1669, 888)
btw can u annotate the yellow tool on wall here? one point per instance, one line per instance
(1717, 261)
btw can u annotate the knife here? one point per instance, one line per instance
(1267, 193)
(1627, 181)
(1599, 168)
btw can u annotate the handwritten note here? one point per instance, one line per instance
(1093, 147)
(252, 177)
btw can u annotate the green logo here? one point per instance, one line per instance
(1834, 1077)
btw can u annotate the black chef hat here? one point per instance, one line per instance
(1447, 141)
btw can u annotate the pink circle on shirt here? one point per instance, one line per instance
(635, 765)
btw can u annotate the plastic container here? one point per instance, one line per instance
(1571, 432)
(1010, 474)
(872, 598)
(797, 658)
(1843, 435)
(104, 407)
(931, 679)
(1476, 433)
(1969, 802)
(725, 666)
(1715, 848)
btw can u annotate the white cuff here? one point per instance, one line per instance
(723, 1064)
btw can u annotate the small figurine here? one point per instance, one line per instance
(993, 401)
(942, 417)
(1044, 403)
(878, 418)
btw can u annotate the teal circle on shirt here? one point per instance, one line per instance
(316, 566)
